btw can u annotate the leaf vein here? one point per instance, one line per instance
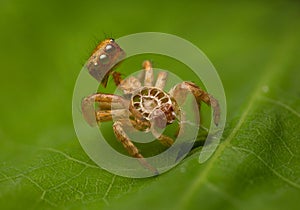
(108, 189)
(290, 182)
(283, 105)
(69, 179)
(71, 158)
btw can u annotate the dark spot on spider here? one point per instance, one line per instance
(164, 100)
(160, 95)
(153, 92)
(136, 98)
(144, 92)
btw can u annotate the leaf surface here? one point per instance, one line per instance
(255, 48)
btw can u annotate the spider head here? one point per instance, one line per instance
(104, 58)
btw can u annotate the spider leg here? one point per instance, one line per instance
(138, 124)
(149, 77)
(108, 115)
(180, 91)
(130, 147)
(141, 76)
(144, 126)
(117, 77)
(165, 140)
(104, 103)
(131, 84)
(127, 85)
(161, 80)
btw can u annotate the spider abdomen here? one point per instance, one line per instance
(152, 102)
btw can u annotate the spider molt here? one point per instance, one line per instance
(144, 104)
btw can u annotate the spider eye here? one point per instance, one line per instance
(111, 40)
(104, 59)
(109, 48)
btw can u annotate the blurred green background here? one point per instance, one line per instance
(44, 44)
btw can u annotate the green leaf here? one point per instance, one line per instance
(257, 166)
(255, 48)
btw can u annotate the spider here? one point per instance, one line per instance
(144, 105)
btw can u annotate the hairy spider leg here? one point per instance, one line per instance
(130, 147)
(149, 77)
(180, 92)
(109, 115)
(161, 80)
(106, 106)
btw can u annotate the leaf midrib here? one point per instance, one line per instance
(272, 66)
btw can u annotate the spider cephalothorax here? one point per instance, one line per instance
(148, 106)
